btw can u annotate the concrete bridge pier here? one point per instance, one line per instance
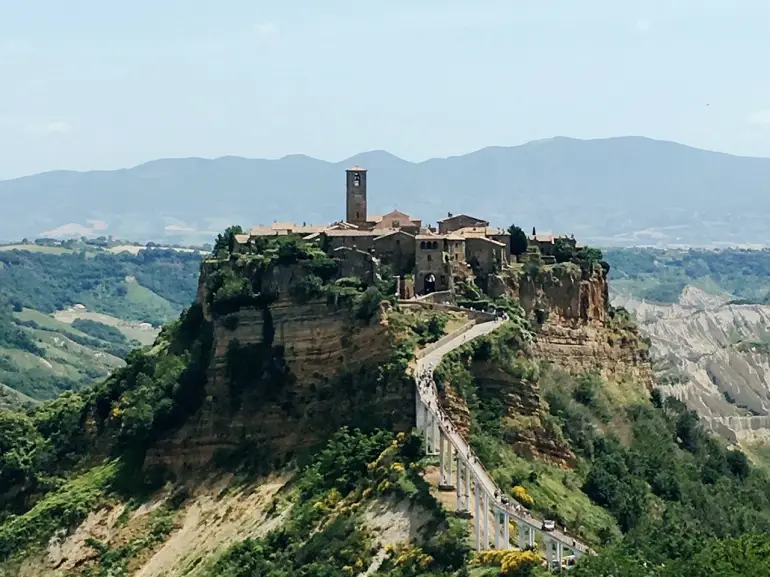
(431, 434)
(526, 536)
(460, 484)
(436, 433)
(506, 530)
(445, 463)
(501, 528)
(486, 519)
(477, 516)
(554, 554)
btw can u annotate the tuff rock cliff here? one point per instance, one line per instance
(577, 329)
(286, 371)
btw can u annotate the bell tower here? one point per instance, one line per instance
(356, 195)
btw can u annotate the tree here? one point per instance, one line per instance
(226, 240)
(519, 240)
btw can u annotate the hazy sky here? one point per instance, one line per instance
(104, 84)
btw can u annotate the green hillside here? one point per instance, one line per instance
(71, 315)
(660, 275)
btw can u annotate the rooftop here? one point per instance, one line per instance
(439, 237)
(481, 231)
(353, 232)
(465, 215)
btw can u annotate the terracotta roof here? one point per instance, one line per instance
(545, 237)
(283, 226)
(480, 231)
(310, 229)
(374, 218)
(439, 237)
(357, 168)
(350, 248)
(465, 215)
(242, 238)
(262, 231)
(487, 239)
(392, 232)
(351, 233)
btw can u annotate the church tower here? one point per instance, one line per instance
(356, 196)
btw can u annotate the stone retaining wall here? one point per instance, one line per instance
(472, 314)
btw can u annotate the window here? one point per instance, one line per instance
(443, 280)
(422, 244)
(358, 216)
(398, 241)
(428, 258)
(396, 224)
(356, 179)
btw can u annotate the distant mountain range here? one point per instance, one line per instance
(610, 192)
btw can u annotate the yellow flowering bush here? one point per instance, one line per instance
(510, 561)
(410, 558)
(521, 495)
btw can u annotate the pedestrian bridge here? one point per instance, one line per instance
(474, 486)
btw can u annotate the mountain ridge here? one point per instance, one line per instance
(622, 190)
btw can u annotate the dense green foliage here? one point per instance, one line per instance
(677, 494)
(152, 286)
(519, 240)
(44, 449)
(660, 275)
(50, 282)
(100, 331)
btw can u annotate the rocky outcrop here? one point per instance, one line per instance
(284, 375)
(456, 408)
(618, 355)
(523, 408)
(577, 329)
(562, 290)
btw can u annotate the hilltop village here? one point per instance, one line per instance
(425, 258)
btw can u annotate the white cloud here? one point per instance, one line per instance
(56, 127)
(761, 117)
(267, 30)
(643, 25)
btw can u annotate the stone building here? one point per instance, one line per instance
(360, 239)
(457, 221)
(396, 248)
(424, 258)
(438, 259)
(497, 234)
(356, 263)
(397, 220)
(485, 255)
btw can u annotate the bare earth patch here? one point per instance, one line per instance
(216, 515)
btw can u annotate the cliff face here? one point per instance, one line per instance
(577, 329)
(522, 403)
(284, 375)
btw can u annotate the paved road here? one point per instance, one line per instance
(428, 394)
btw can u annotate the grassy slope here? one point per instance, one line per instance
(660, 275)
(119, 301)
